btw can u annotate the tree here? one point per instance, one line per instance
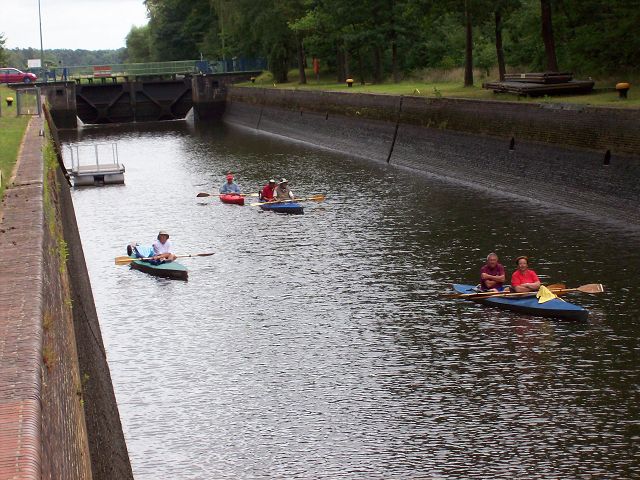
(548, 37)
(468, 55)
(4, 57)
(139, 44)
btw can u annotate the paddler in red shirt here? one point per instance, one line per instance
(524, 279)
(492, 275)
(268, 192)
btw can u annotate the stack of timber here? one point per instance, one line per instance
(544, 83)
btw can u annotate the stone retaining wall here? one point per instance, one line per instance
(583, 158)
(53, 406)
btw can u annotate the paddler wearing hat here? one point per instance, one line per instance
(162, 248)
(283, 192)
(268, 191)
(230, 187)
(524, 279)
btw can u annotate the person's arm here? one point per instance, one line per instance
(223, 188)
(236, 188)
(536, 283)
(291, 195)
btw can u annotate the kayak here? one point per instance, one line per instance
(166, 270)
(529, 305)
(232, 199)
(291, 208)
(173, 270)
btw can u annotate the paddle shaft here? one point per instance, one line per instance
(555, 286)
(205, 194)
(124, 260)
(315, 198)
(557, 291)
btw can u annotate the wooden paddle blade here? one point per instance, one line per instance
(591, 288)
(317, 198)
(124, 260)
(204, 254)
(203, 194)
(556, 286)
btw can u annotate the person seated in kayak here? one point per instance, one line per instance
(492, 275)
(268, 192)
(229, 187)
(162, 248)
(283, 192)
(524, 279)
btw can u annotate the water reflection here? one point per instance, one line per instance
(318, 346)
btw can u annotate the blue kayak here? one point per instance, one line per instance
(529, 305)
(291, 208)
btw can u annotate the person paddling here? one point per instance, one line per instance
(492, 275)
(229, 187)
(162, 248)
(283, 192)
(524, 279)
(268, 192)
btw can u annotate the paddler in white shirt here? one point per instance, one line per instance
(283, 192)
(162, 248)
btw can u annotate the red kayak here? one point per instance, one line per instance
(232, 199)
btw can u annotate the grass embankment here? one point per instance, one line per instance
(12, 129)
(448, 86)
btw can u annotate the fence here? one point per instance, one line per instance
(154, 69)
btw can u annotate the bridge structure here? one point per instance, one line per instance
(140, 100)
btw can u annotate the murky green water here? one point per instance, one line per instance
(318, 346)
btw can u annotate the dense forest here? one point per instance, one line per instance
(381, 39)
(17, 57)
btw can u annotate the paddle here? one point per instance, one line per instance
(554, 286)
(591, 288)
(205, 194)
(125, 260)
(315, 198)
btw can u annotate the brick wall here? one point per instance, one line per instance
(559, 151)
(44, 393)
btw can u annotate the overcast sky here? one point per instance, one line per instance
(86, 24)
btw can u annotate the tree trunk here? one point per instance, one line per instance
(547, 36)
(360, 67)
(377, 61)
(468, 55)
(347, 63)
(394, 59)
(499, 49)
(301, 62)
(340, 71)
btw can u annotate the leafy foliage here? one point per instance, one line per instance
(375, 39)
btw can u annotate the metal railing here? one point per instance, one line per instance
(154, 69)
(28, 101)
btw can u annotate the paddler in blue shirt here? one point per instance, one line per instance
(229, 187)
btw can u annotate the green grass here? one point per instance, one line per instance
(452, 89)
(12, 129)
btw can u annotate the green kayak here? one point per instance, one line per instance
(173, 270)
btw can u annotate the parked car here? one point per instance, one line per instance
(13, 75)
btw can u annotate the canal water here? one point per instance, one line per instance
(320, 347)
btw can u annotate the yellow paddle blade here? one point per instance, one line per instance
(544, 294)
(124, 260)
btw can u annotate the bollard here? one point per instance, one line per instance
(9, 101)
(623, 88)
(349, 82)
